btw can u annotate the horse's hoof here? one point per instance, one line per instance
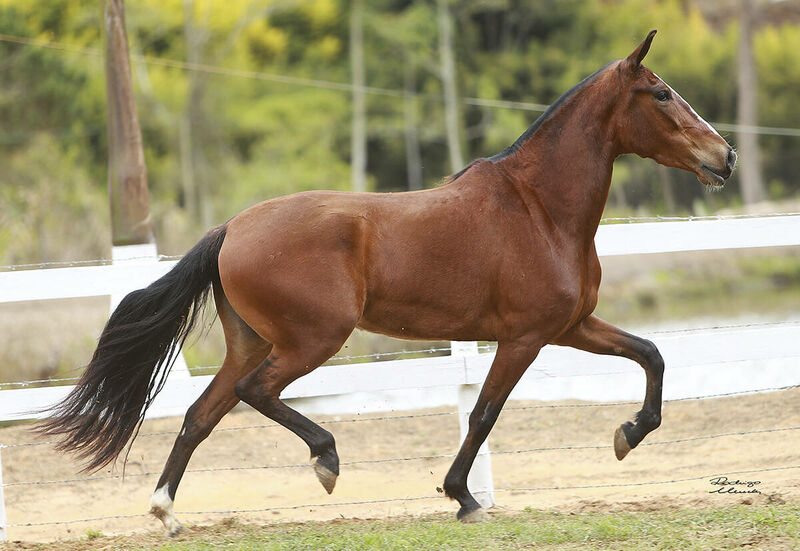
(476, 515)
(171, 524)
(325, 476)
(621, 446)
(161, 508)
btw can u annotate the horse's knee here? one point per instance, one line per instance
(652, 359)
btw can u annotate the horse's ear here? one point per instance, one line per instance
(636, 57)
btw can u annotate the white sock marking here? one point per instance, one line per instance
(161, 508)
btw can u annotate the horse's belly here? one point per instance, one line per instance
(426, 321)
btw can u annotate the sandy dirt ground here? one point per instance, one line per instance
(234, 469)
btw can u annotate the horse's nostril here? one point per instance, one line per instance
(731, 161)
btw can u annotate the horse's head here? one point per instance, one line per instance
(654, 121)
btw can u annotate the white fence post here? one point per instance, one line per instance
(479, 481)
(3, 522)
(144, 254)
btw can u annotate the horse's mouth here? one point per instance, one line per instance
(710, 177)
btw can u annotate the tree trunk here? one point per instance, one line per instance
(358, 168)
(747, 109)
(194, 166)
(449, 86)
(668, 187)
(188, 185)
(188, 188)
(410, 123)
(127, 174)
(618, 195)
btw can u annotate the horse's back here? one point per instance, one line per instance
(326, 255)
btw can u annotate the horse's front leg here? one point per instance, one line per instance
(596, 336)
(510, 362)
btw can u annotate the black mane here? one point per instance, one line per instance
(514, 147)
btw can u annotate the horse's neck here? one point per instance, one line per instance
(567, 165)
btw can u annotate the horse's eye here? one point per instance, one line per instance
(663, 95)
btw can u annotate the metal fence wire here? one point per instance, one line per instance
(386, 420)
(433, 496)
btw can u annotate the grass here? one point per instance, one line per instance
(93, 534)
(773, 527)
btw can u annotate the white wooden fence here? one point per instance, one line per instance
(775, 346)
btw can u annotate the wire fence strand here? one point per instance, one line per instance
(447, 413)
(343, 86)
(416, 498)
(487, 348)
(431, 457)
(479, 102)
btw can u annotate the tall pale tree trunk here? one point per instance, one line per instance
(127, 174)
(358, 168)
(196, 123)
(194, 166)
(188, 187)
(747, 109)
(448, 68)
(618, 196)
(668, 187)
(410, 129)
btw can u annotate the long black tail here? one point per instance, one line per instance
(133, 357)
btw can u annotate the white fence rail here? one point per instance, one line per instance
(774, 347)
(558, 374)
(611, 239)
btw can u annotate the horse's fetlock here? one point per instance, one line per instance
(325, 444)
(649, 420)
(453, 486)
(656, 421)
(328, 441)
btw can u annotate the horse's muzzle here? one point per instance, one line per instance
(717, 177)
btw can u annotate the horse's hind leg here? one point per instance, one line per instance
(597, 336)
(262, 387)
(245, 350)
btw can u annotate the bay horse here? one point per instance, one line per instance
(504, 251)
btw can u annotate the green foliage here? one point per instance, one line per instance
(93, 534)
(216, 142)
(44, 188)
